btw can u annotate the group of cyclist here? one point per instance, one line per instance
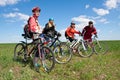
(35, 30)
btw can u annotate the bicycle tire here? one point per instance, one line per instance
(100, 47)
(19, 52)
(62, 53)
(49, 59)
(85, 53)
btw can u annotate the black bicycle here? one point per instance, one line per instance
(61, 51)
(24, 50)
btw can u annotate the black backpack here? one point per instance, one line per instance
(28, 33)
(66, 36)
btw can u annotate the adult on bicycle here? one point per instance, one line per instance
(34, 29)
(70, 31)
(88, 32)
(49, 29)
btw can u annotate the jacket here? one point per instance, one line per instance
(88, 31)
(33, 24)
(71, 31)
(49, 30)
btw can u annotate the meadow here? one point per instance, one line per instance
(96, 67)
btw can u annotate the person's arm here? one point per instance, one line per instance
(77, 32)
(94, 31)
(83, 31)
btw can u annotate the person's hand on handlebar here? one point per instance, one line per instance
(96, 36)
(80, 34)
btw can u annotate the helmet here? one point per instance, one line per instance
(72, 23)
(90, 22)
(51, 19)
(36, 9)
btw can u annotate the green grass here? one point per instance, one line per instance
(97, 67)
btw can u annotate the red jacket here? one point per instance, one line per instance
(71, 31)
(88, 31)
(33, 24)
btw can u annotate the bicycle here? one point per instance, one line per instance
(24, 49)
(61, 51)
(100, 46)
(85, 50)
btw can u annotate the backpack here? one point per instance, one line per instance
(28, 33)
(66, 34)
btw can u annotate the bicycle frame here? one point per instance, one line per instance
(26, 44)
(53, 41)
(79, 40)
(95, 39)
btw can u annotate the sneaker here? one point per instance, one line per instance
(37, 66)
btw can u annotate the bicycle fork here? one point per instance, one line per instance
(84, 47)
(99, 44)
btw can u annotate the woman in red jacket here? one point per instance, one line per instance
(34, 29)
(34, 26)
(70, 31)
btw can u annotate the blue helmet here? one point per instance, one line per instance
(51, 19)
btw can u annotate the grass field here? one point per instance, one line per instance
(97, 67)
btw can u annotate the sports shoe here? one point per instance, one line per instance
(37, 66)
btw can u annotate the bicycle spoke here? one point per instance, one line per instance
(85, 50)
(19, 52)
(62, 53)
(100, 47)
(48, 59)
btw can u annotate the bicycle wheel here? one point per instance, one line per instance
(100, 47)
(85, 50)
(19, 52)
(62, 53)
(48, 59)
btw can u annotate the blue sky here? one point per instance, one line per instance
(104, 13)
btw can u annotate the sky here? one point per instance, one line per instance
(104, 13)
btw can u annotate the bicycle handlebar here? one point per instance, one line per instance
(95, 36)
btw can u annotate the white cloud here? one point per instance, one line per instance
(17, 15)
(63, 35)
(22, 16)
(15, 9)
(111, 4)
(10, 15)
(87, 6)
(82, 21)
(94, 18)
(8, 2)
(103, 20)
(101, 12)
